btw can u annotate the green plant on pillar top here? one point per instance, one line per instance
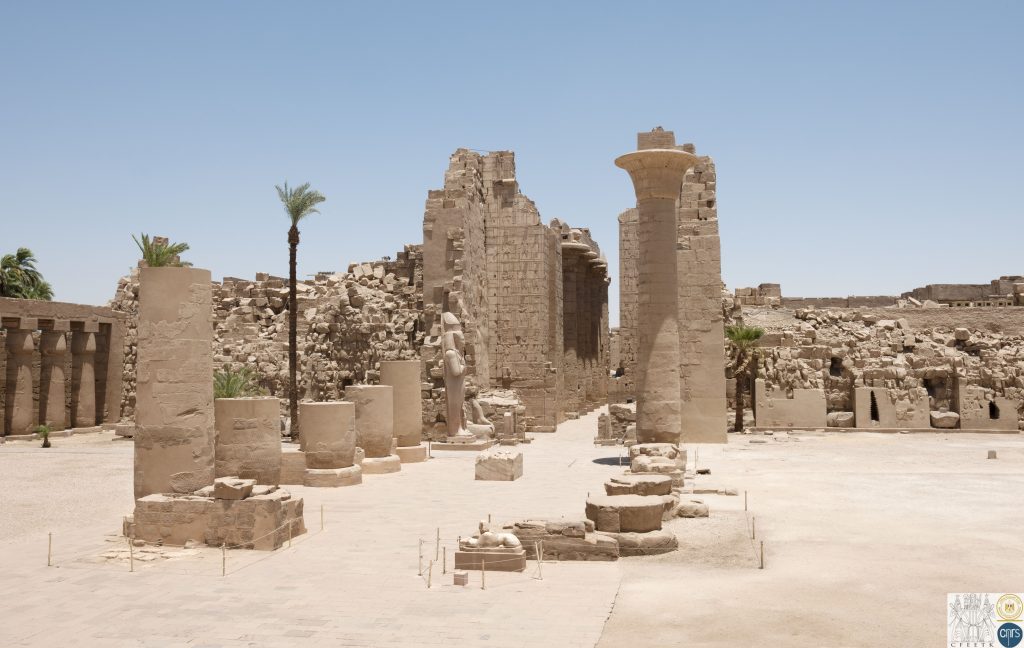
(44, 433)
(236, 383)
(158, 252)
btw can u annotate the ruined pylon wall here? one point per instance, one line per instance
(701, 326)
(524, 295)
(455, 261)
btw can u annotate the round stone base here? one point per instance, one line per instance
(624, 513)
(381, 465)
(333, 477)
(412, 454)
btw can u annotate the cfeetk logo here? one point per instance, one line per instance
(984, 620)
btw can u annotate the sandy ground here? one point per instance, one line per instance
(864, 534)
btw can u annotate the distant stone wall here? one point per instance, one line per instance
(101, 327)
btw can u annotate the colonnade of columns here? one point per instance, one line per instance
(51, 376)
(585, 324)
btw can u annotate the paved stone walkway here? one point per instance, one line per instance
(354, 583)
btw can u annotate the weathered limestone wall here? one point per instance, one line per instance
(61, 365)
(701, 325)
(174, 436)
(347, 323)
(524, 295)
(915, 361)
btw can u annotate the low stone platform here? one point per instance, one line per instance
(411, 454)
(491, 559)
(381, 465)
(333, 477)
(622, 513)
(499, 465)
(262, 521)
(644, 544)
(476, 446)
(565, 540)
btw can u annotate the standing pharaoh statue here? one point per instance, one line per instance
(455, 379)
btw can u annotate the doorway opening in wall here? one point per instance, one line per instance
(993, 411)
(874, 408)
(835, 367)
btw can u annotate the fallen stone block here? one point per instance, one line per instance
(945, 420)
(232, 488)
(499, 465)
(644, 544)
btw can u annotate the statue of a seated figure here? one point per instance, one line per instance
(487, 539)
(478, 426)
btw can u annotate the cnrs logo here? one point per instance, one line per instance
(1009, 635)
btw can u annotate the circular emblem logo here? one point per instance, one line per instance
(1009, 635)
(1009, 607)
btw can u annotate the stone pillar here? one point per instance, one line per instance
(657, 171)
(375, 411)
(403, 376)
(248, 439)
(174, 437)
(328, 434)
(19, 411)
(83, 379)
(53, 348)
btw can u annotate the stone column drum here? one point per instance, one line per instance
(19, 411)
(248, 439)
(174, 437)
(53, 348)
(403, 376)
(328, 440)
(83, 379)
(657, 171)
(375, 411)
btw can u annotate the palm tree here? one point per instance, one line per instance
(298, 202)
(20, 279)
(159, 252)
(743, 359)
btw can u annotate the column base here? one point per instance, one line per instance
(412, 454)
(333, 477)
(381, 465)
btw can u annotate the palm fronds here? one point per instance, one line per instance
(300, 201)
(159, 252)
(20, 279)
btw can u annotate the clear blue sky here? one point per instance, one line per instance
(862, 147)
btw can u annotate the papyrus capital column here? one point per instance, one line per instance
(53, 349)
(83, 375)
(657, 171)
(19, 412)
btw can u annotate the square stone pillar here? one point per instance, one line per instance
(174, 437)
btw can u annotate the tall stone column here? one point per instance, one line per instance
(174, 437)
(375, 426)
(657, 171)
(83, 379)
(403, 376)
(53, 348)
(19, 411)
